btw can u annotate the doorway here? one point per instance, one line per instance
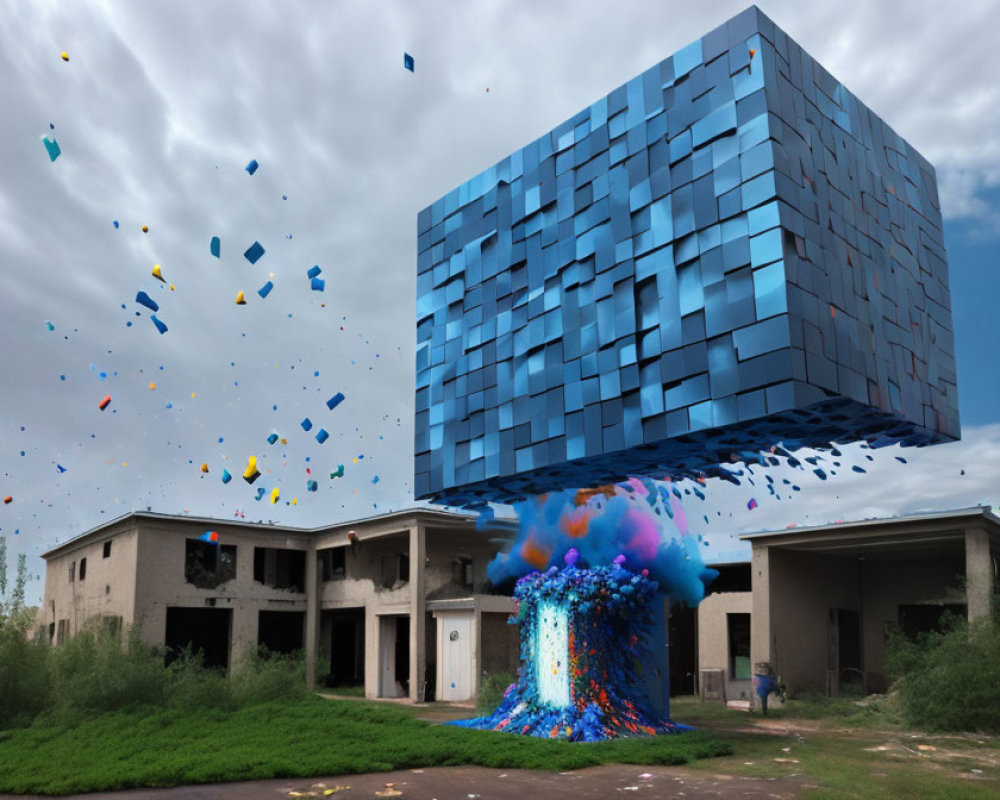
(844, 651)
(347, 648)
(204, 630)
(394, 656)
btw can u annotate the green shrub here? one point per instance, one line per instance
(491, 690)
(97, 671)
(24, 670)
(261, 677)
(949, 680)
(192, 686)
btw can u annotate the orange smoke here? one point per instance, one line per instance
(535, 554)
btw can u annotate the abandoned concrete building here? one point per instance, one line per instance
(399, 603)
(818, 603)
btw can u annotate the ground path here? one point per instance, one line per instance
(481, 783)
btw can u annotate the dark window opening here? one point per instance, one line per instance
(280, 568)
(731, 578)
(62, 632)
(208, 565)
(917, 619)
(52, 632)
(462, 572)
(107, 549)
(72, 571)
(334, 563)
(395, 570)
(738, 626)
(280, 631)
(83, 568)
(202, 631)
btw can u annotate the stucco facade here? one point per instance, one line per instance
(824, 599)
(361, 596)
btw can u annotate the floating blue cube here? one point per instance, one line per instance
(160, 325)
(254, 252)
(335, 401)
(313, 271)
(226, 477)
(306, 424)
(265, 290)
(726, 253)
(318, 284)
(51, 146)
(144, 299)
(322, 435)
(251, 168)
(408, 61)
(215, 247)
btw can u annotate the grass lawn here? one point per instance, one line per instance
(842, 750)
(303, 738)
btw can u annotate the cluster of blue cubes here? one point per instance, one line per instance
(728, 252)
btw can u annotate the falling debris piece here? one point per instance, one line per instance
(751, 504)
(158, 271)
(212, 537)
(251, 473)
(49, 325)
(275, 494)
(64, 55)
(307, 424)
(752, 53)
(408, 61)
(144, 299)
(115, 223)
(226, 477)
(254, 252)
(104, 403)
(260, 492)
(152, 386)
(335, 401)
(61, 468)
(375, 479)
(318, 284)
(252, 166)
(159, 324)
(322, 436)
(265, 290)
(312, 486)
(8, 500)
(51, 145)
(313, 271)
(240, 299)
(204, 468)
(339, 473)
(145, 229)
(272, 438)
(215, 248)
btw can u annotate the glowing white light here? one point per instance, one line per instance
(552, 648)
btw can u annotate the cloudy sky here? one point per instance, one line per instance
(161, 106)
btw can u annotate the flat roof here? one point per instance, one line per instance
(931, 516)
(431, 514)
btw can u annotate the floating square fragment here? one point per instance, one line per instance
(408, 61)
(306, 424)
(318, 284)
(51, 145)
(252, 166)
(160, 326)
(215, 247)
(144, 299)
(265, 290)
(226, 477)
(313, 271)
(254, 252)
(322, 435)
(104, 403)
(272, 438)
(335, 401)
(312, 486)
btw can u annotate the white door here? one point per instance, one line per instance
(387, 657)
(456, 653)
(552, 643)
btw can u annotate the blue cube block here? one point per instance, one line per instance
(307, 424)
(335, 401)
(254, 252)
(265, 290)
(160, 326)
(251, 168)
(408, 61)
(322, 436)
(215, 247)
(318, 284)
(670, 263)
(313, 271)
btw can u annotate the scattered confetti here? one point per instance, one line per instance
(240, 299)
(64, 55)
(158, 271)
(275, 494)
(104, 403)
(204, 468)
(251, 473)
(49, 325)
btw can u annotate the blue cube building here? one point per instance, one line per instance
(728, 252)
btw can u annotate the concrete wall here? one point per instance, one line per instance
(713, 637)
(161, 583)
(888, 585)
(109, 590)
(803, 588)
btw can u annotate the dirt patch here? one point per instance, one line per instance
(490, 784)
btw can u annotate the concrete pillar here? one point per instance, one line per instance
(978, 573)
(761, 640)
(418, 613)
(312, 615)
